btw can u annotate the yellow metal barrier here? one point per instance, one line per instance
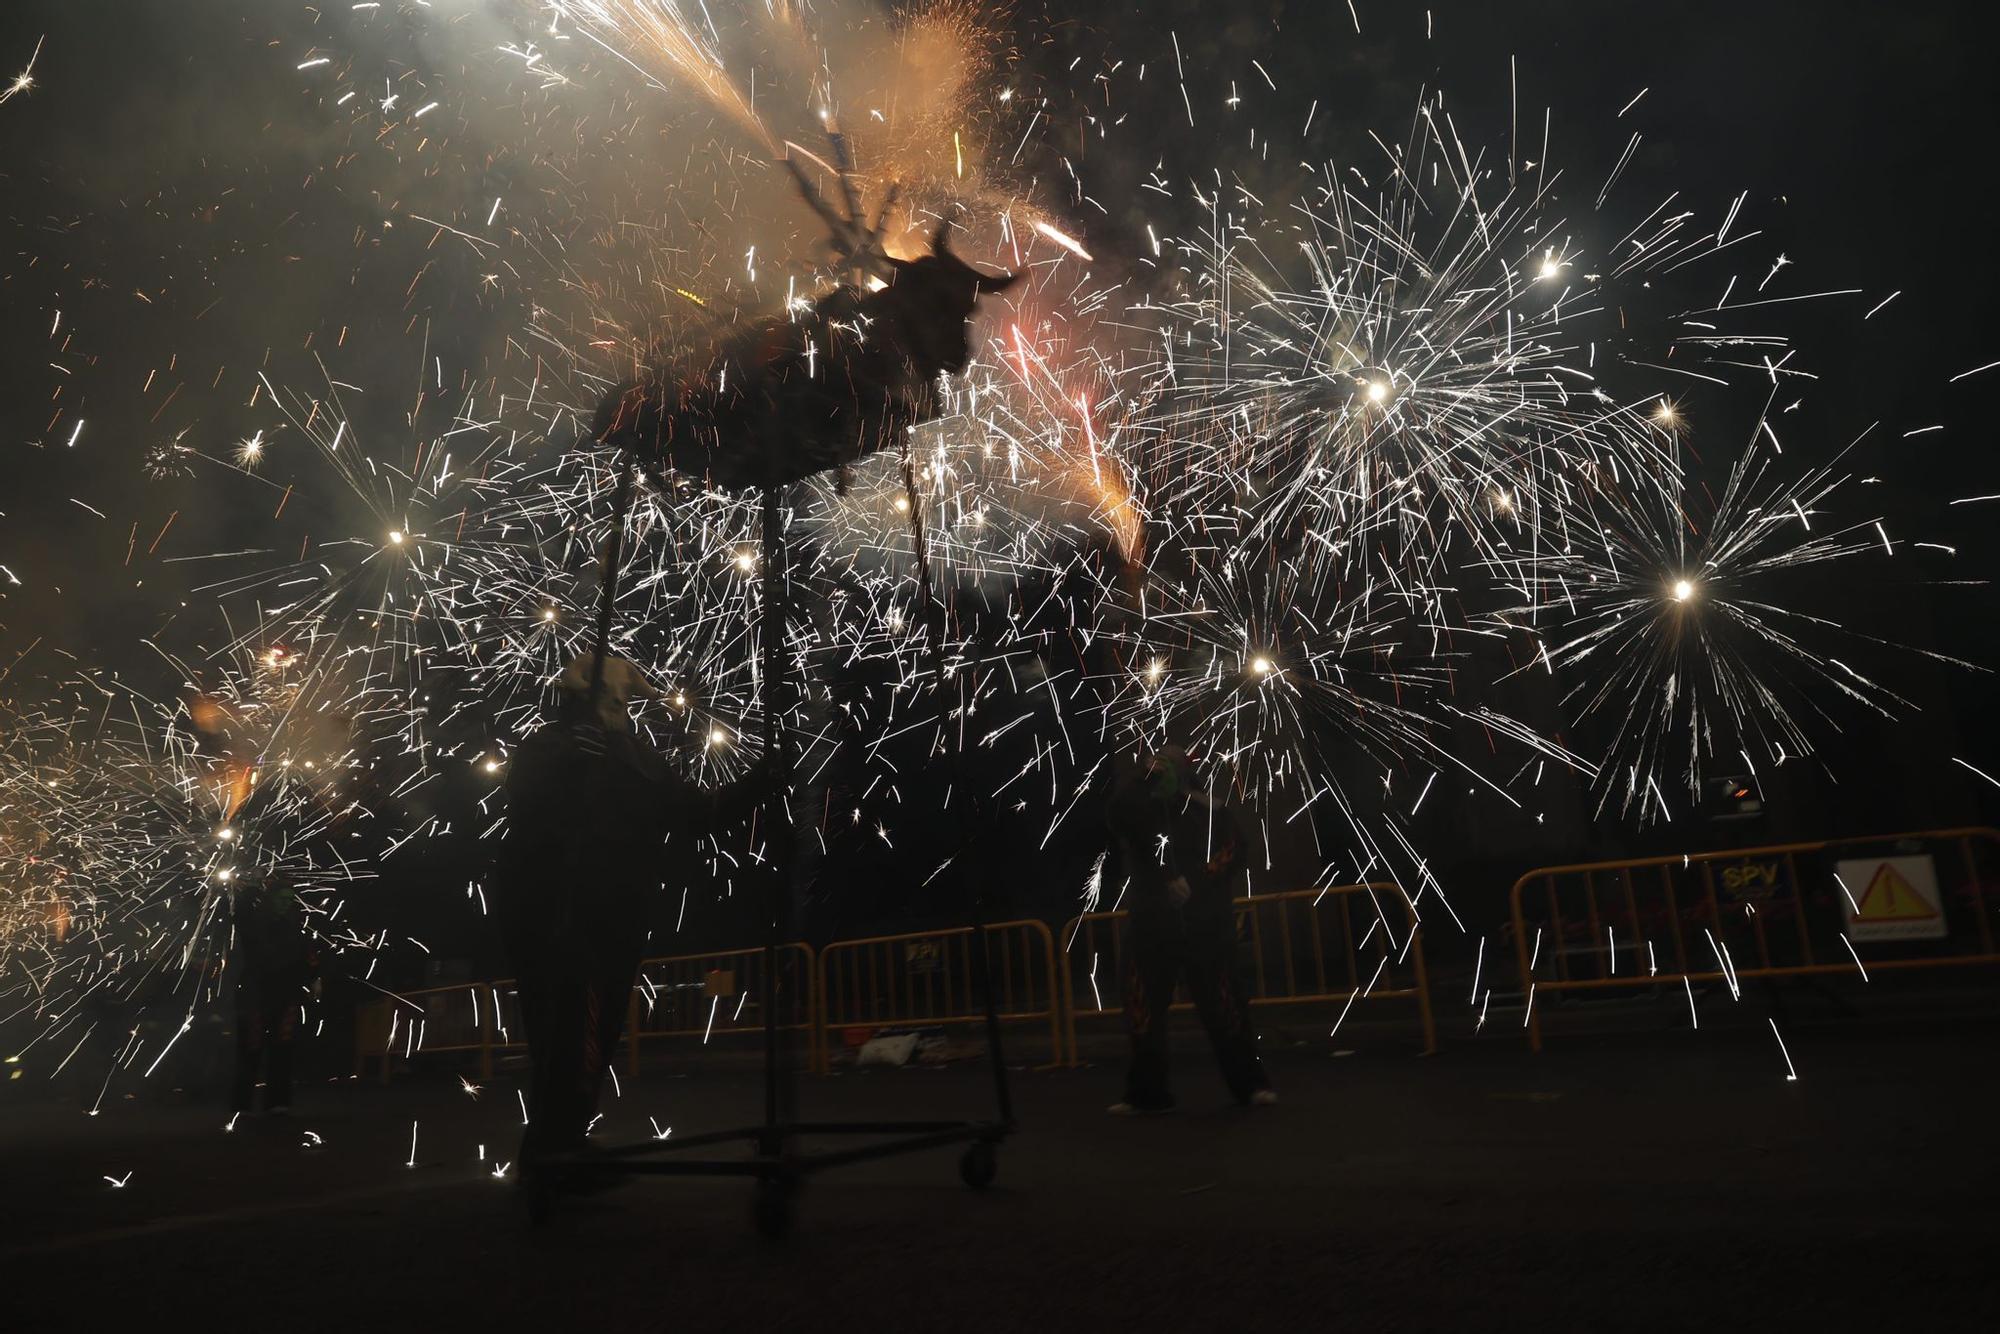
(371, 1036)
(699, 995)
(471, 1016)
(1289, 936)
(684, 995)
(925, 977)
(1749, 912)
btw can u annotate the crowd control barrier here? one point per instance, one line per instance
(679, 996)
(1333, 946)
(926, 978)
(469, 1016)
(702, 995)
(1879, 903)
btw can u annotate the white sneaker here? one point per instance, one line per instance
(1264, 1098)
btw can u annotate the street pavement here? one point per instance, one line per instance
(1658, 1180)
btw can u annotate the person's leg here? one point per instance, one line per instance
(1215, 978)
(611, 998)
(549, 981)
(551, 1006)
(280, 1019)
(249, 1048)
(601, 1013)
(527, 955)
(1150, 974)
(559, 1071)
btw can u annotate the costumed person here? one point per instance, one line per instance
(593, 812)
(275, 963)
(1184, 855)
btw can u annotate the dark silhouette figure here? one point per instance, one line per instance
(275, 962)
(1184, 854)
(595, 818)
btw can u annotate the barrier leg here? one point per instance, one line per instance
(632, 1035)
(816, 989)
(777, 815)
(1424, 995)
(1978, 893)
(1527, 976)
(1002, 1094)
(1068, 1003)
(485, 1046)
(1056, 1048)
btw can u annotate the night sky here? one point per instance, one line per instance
(181, 193)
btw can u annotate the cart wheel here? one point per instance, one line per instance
(978, 1165)
(772, 1208)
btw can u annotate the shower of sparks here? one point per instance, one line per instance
(1385, 481)
(658, 39)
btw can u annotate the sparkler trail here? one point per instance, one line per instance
(25, 80)
(1372, 494)
(1685, 613)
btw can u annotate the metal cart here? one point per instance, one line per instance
(777, 1161)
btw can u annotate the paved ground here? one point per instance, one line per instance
(1657, 1182)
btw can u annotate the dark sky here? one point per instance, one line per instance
(175, 187)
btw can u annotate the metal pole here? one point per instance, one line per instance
(1003, 1095)
(936, 618)
(607, 579)
(777, 819)
(607, 600)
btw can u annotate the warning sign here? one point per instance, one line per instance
(1892, 898)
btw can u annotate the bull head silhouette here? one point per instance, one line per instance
(931, 299)
(792, 397)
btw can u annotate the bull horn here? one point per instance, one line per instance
(990, 284)
(941, 238)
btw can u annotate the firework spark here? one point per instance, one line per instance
(1381, 486)
(25, 80)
